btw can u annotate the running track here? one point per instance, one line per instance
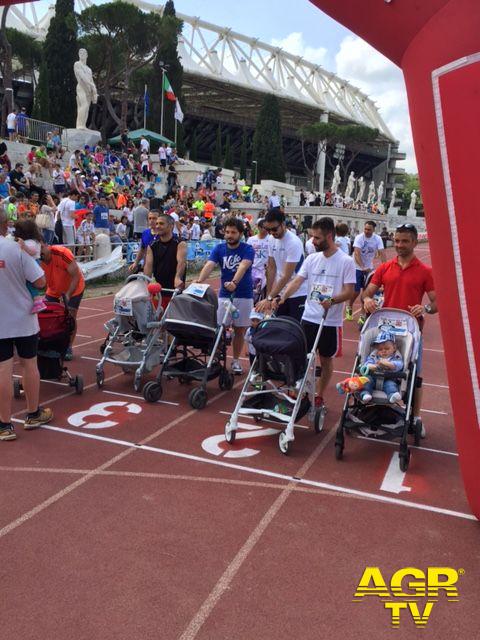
(153, 528)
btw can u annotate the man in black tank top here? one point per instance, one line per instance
(166, 257)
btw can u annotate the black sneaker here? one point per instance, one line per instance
(7, 432)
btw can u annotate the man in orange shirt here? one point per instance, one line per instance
(64, 278)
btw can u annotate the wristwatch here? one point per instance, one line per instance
(269, 298)
(332, 301)
(428, 308)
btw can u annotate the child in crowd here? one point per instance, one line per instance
(85, 234)
(384, 358)
(255, 318)
(28, 236)
(341, 237)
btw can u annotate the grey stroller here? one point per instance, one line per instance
(135, 340)
(379, 419)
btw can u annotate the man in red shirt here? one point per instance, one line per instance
(405, 281)
(64, 278)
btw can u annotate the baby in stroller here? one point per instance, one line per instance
(384, 358)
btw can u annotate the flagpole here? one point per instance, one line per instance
(145, 108)
(175, 131)
(163, 95)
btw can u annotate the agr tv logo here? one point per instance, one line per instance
(411, 589)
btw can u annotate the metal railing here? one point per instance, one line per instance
(39, 131)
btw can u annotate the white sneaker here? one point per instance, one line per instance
(366, 397)
(237, 368)
(395, 397)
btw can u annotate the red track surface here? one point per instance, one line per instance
(104, 539)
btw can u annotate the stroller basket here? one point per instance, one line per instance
(281, 349)
(271, 402)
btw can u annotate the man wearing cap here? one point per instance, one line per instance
(405, 280)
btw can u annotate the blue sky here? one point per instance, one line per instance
(300, 28)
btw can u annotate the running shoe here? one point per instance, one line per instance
(7, 433)
(41, 417)
(366, 397)
(237, 368)
(348, 313)
(395, 397)
(361, 321)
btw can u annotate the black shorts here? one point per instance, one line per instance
(330, 343)
(293, 308)
(26, 347)
(73, 303)
(163, 163)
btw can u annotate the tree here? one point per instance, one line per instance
(217, 150)
(167, 58)
(26, 53)
(410, 183)
(194, 146)
(6, 69)
(243, 156)
(327, 135)
(121, 40)
(228, 157)
(60, 52)
(267, 141)
(41, 106)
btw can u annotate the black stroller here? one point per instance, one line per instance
(198, 351)
(56, 328)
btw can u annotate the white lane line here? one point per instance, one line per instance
(81, 335)
(440, 413)
(410, 446)
(94, 315)
(90, 358)
(84, 344)
(91, 308)
(270, 474)
(62, 384)
(126, 395)
(280, 427)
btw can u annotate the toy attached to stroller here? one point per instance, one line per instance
(56, 328)
(198, 351)
(378, 418)
(280, 385)
(135, 341)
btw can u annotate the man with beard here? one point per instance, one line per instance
(330, 277)
(235, 259)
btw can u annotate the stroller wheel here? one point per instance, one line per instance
(319, 419)
(103, 347)
(100, 378)
(230, 435)
(225, 380)
(417, 431)
(78, 384)
(17, 388)
(338, 451)
(283, 443)
(197, 398)
(152, 391)
(404, 459)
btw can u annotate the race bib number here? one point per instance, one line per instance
(397, 327)
(321, 292)
(123, 307)
(197, 290)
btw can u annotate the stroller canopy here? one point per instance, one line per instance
(191, 315)
(282, 340)
(135, 290)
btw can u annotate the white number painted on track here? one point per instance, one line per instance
(212, 444)
(394, 477)
(101, 409)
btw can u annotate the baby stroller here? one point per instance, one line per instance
(135, 341)
(379, 419)
(56, 328)
(198, 351)
(281, 382)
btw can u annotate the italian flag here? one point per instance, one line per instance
(167, 87)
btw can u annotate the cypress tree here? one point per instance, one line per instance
(194, 146)
(60, 53)
(243, 156)
(228, 157)
(267, 141)
(41, 106)
(217, 150)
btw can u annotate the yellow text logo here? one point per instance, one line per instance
(410, 590)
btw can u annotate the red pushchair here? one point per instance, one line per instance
(56, 328)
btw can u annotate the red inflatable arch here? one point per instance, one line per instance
(437, 45)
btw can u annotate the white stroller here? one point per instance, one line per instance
(380, 419)
(135, 340)
(280, 385)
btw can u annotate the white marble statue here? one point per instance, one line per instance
(336, 179)
(350, 185)
(86, 89)
(371, 193)
(380, 191)
(413, 200)
(361, 189)
(393, 198)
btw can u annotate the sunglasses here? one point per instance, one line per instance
(272, 229)
(407, 225)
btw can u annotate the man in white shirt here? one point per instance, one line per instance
(195, 230)
(144, 145)
(12, 125)
(365, 247)
(285, 257)
(329, 275)
(66, 210)
(259, 243)
(162, 156)
(18, 331)
(274, 200)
